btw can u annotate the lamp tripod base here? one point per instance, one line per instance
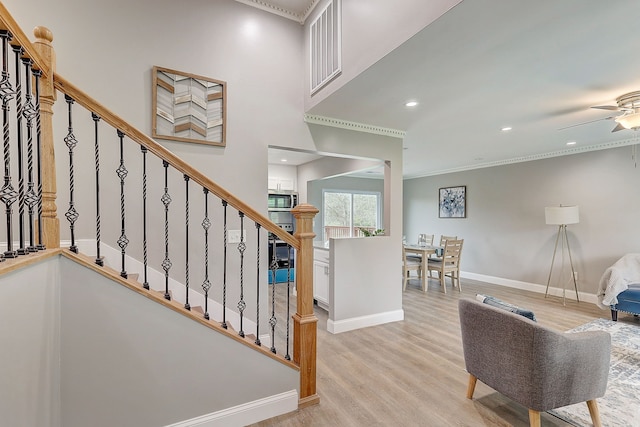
(563, 239)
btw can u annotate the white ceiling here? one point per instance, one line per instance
(537, 66)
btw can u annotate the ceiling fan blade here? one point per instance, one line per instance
(618, 127)
(586, 123)
(607, 107)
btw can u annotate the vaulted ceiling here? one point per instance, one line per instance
(534, 66)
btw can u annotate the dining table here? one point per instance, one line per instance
(424, 251)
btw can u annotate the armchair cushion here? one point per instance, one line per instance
(495, 302)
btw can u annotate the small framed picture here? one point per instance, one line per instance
(453, 202)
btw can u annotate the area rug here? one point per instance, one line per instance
(620, 406)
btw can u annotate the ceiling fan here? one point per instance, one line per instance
(628, 104)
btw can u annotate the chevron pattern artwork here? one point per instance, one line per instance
(188, 107)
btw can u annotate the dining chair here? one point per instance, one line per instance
(443, 240)
(410, 263)
(449, 264)
(423, 240)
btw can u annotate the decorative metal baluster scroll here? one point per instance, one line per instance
(122, 173)
(241, 248)
(206, 224)
(71, 142)
(30, 112)
(225, 235)
(166, 200)
(272, 319)
(258, 286)
(186, 244)
(37, 74)
(8, 194)
(144, 150)
(96, 120)
(21, 197)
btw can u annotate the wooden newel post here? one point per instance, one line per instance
(50, 223)
(305, 323)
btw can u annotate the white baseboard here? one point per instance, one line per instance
(336, 327)
(247, 413)
(570, 293)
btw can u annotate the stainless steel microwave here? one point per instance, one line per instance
(282, 201)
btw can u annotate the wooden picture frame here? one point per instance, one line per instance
(452, 202)
(188, 107)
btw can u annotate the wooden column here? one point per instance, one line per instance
(50, 223)
(305, 323)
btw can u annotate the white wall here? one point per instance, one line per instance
(372, 29)
(30, 355)
(128, 361)
(364, 283)
(505, 232)
(108, 50)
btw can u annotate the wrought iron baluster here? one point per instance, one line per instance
(30, 112)
(96, 120)
(8, 194)
(145, 284)
(290, 263)
(241, 248)
(186, 255)
(37, 74)
(225, 235)
(273, 321)
(288, 356)
(206, 224)
(21, 196)
(71, 142)
(122, 173)
(166, 200)
(258, 286)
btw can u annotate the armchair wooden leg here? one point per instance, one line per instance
(593, 411)
(534, 418)
(471, 387)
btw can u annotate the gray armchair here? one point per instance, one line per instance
(535, 366)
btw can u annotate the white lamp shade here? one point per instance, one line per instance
(561, 215)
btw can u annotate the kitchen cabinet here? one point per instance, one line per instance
(281, 184)
(321, 269)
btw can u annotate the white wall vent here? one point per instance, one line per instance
(326, 41)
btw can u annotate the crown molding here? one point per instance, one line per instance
(358, 127)
(281, 11)
(566, 152)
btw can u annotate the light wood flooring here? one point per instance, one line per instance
(411, 373)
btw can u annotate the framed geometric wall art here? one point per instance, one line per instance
(188, 107)
(453, 202)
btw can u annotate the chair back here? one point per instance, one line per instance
(425, 239)
(443, 239)
(451, 253)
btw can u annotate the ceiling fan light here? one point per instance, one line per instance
(629, 121)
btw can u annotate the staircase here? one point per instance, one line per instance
(146, 262)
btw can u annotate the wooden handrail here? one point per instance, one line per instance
(176, 162)
(20, 39)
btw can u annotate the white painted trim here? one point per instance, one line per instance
(336, 327)
(359, 127)
(532, 287)
(567, 152)
(247, 413)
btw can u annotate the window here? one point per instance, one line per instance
(346, 212)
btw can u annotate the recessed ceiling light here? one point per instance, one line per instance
(506, 129)
(571, 143)
(283, 160)
(411, 103)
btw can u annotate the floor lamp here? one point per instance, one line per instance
(562, 216)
